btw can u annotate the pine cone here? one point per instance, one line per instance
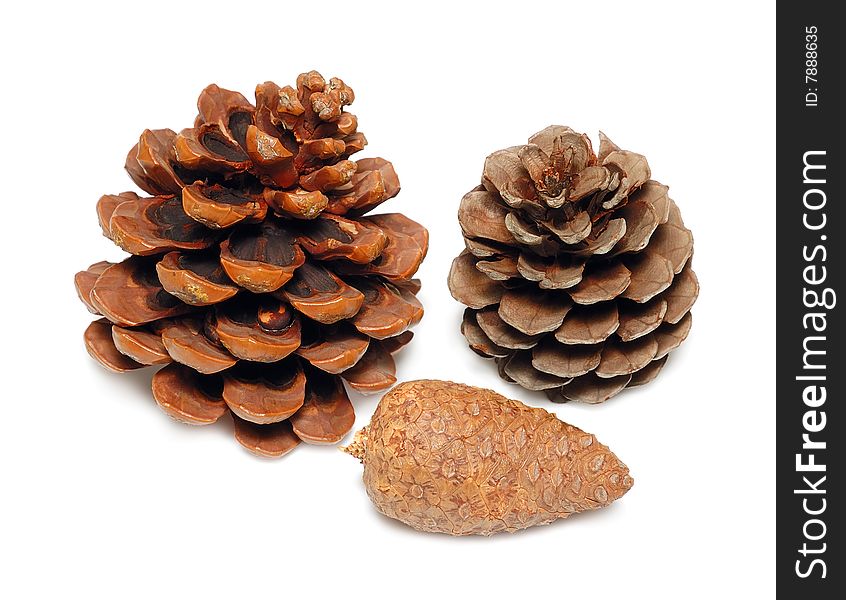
(576, 273)
(255, 276)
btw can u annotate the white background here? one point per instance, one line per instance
(103, 496)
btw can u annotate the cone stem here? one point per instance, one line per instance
(356, 447)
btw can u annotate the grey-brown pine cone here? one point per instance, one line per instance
(577, 270)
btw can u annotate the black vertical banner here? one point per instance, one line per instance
(811, 335)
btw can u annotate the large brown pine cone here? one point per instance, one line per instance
(255, 278)
(576, 273)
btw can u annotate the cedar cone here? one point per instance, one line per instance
(255, 278)
(577, 269)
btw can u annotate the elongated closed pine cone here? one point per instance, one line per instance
(450, 458)
(577, 270)
(255, 276)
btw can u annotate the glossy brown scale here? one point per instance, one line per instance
(218, 144)
(188, 396)
(238, 124)
(321, 295)
(264, 393)
(141, 344)
(101, 347)
(269, 243)
(330, 237)
(412, 286)
(296, 203)
(333, 349)
(353, 143)
(205, 264)
(185, 175)
(386, 310)
(84, 282)
(151, 163)
(106, 206)
(230, 110)
(207, 148)
(186, 342)
(225, 196)
(326, 229)
(327, 414)
(173, 221)
(267, 441)
(145, 278)
(406, 247)
(129, 294)
(153, 225)
(398, 342)
(374, 182)
(218, 207)
(311, 279)
(374, 372)
(329, 177)
(261, 258)
(273, 162)
(261, 329)
(313, 153)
